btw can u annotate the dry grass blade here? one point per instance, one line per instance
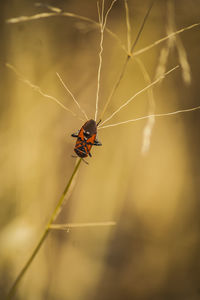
(162, 61)
(38, 89)
(138, 93)
(48, 15)
(182, 55)
(81, 225)
(83, 112)
(186, 71)
(164, 53)
(147, 133)
(153, 115)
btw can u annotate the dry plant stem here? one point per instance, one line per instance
(151, 110)
(82, 18)
(150, 122)
(128, 26)
(121, 75)
(100, 56)
(50, 7)
(138, 93)
(182, 55)
(102, 23)
(38, 89)
(48, 15)
(45, 233)
(63, 14)
(153, 115)
(66, 14)
(165, 38)
(81, 225)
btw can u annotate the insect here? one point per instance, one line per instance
(86, 138)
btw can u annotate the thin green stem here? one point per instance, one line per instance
(54, 215)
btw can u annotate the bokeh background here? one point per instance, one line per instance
(153, 251)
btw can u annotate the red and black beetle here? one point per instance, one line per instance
(86, 138)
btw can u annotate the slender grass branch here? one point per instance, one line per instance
(59, 13)
(81, 225)
(54, 215)
(165, 38)
(128, 26)
(102, 22)
(176, 112)
(100, 55)
(147, 132)
(48, 15)
(64, 14)
(49, 7)
(38, 89)
(121, 75)
(68, 90)
(150, 122)
(138, 93)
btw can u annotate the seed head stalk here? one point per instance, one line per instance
(102, 22)
(45, 233)
(121, 75)
(57, 12)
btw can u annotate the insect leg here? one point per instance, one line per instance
(99, 122)
(97, 143)
(74, 134)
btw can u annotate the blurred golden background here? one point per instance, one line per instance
(153, 251)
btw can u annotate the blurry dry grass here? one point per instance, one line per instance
(153, 251)
(161, 69)
(81, 225)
